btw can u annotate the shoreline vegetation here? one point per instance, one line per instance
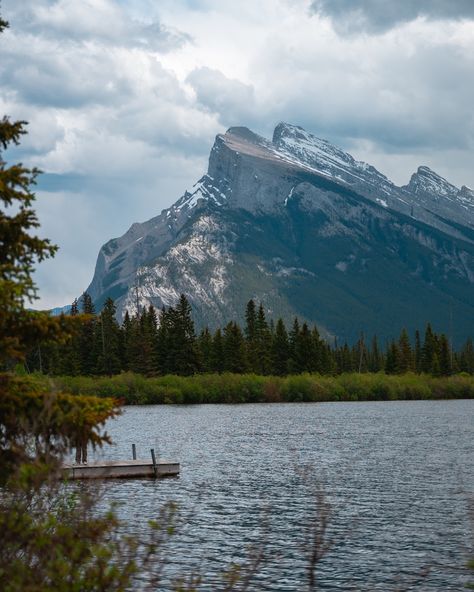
(228, 388)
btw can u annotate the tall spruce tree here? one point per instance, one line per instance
(235, 359)
(263, 342)
(20, 328)
(428, 351)
(125, 342)
(392, 358)
(218, 357)
(148, 354)
(70, 359)
(293, 340)
(445, 366)
(405, 359)
(466, 357)
(164, 352)
(250, 332)
(376, 362)
(417, 355)
(108, 336)
(183, 354)
(303, 354)
(87, 338)
(205, 350)
(317, 347)
(280, 349)
(346, 359)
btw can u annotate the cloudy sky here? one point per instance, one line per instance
(124, 98)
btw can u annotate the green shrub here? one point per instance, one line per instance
(135, 389)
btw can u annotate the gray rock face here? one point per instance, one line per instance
(303, 226)
(432, 193)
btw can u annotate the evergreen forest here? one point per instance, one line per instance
(157, 343)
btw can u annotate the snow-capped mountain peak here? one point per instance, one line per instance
(425, 180)
(325, 158)
(466, 195)
(296, 216)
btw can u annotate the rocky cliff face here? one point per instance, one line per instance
(301, 225)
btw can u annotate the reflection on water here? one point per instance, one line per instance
(395, 473)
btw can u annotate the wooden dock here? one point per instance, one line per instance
(121, 469)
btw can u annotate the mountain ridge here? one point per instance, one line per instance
(195, 246)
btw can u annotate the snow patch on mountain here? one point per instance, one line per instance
(427, 181)
(179, 271)
(321, 156)
(205, 190)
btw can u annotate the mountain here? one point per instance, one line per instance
(304, 227)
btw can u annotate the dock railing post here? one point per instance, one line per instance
(134, 452)
(155, 468)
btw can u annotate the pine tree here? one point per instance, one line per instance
(234, 349)
(184, 337)
(108, 336)
(280, 349)
(466, 357)
(250, 332)
(418, 355)
(376, 361)
(218, 359)
(293, 340)
(20, 328)
(163, 339)
(317, 351)
(405, 360)
(177, 350)
(263, 344)
(74, 308)
(205, 343)
(304, 358)
(148, 333)
(445, 366)
(69, 362)
(346, 360)
(250, 321)
(87, 338)
(428, 351)
(392, 359)
(328, 360)
(125, 343)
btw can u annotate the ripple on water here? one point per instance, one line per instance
(395, 473)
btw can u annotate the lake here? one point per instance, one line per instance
(397, 476)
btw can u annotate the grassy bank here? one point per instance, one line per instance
(135, 389)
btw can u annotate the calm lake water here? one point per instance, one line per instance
(396, 474)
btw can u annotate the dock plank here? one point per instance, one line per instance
(120, 469)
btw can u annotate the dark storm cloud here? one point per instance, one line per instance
(381, 15)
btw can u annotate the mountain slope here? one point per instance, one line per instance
(301, 225)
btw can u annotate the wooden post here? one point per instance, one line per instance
(155, 468)
(134, 452)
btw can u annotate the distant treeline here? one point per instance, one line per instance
(163, 342)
